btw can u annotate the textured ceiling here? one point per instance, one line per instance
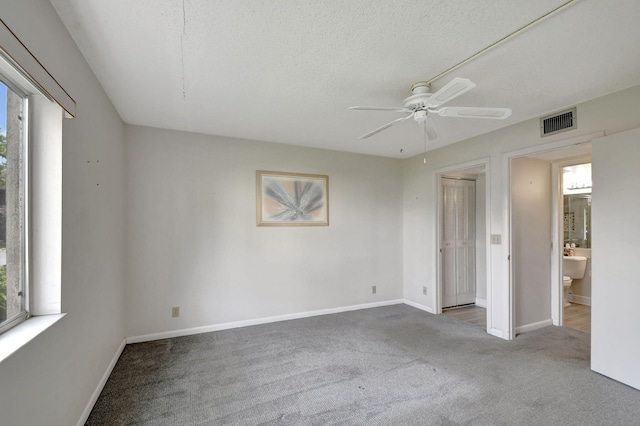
(286, 70)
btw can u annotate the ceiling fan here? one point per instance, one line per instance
(422, 104)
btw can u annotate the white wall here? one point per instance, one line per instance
(50, 380)
(616, 232)
(531, 251)
(193, 240)
(420, 201)
(613, 113)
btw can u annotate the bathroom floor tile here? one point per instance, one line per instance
(578, 316)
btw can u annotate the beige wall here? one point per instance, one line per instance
(531, 250)
(193, 241)
(50, 380)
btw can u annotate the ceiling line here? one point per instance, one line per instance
(503, 39)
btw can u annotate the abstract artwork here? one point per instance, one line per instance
(292, 199)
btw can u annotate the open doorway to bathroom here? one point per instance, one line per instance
(536, 267)
(575, 208)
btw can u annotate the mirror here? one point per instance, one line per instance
(577, 220)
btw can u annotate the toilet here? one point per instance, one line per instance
(566, 284)
(573, 267)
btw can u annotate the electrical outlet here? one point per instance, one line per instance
(496, 239)
(424, 290)
(175, 311)
(373, 289)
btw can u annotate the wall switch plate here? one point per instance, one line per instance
(175, 311)
(496, 239)
(424, 290)
(373, 289)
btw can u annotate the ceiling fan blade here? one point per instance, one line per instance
(386, 126)
(451, 90)
(396, 109)
(474, 112)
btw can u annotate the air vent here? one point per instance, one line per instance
(558, 123)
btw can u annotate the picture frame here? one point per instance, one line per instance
(291, 199)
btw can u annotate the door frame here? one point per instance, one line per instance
(507, 272)
(485, 165)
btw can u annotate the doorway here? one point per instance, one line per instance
(574, 215)
(469, 284)
(536, 293)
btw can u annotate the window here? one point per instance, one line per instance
(32, 106)
(13, 285)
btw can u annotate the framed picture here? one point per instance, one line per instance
(292, 199)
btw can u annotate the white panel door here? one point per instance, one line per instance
(615, 281)
(458, 242)
(449, 238)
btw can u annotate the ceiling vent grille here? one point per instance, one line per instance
(558, 123)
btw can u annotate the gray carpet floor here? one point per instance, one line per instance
(391, 365)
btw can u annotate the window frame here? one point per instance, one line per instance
(24, 171)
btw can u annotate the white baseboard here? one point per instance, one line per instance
(257, 321)
(533, 326)
(497, 333)
(481, 302)
(103, 381)
(580, 300)
(418, 306)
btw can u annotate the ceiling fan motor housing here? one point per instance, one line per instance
(419, 96)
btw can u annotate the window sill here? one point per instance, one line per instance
(12, 340)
